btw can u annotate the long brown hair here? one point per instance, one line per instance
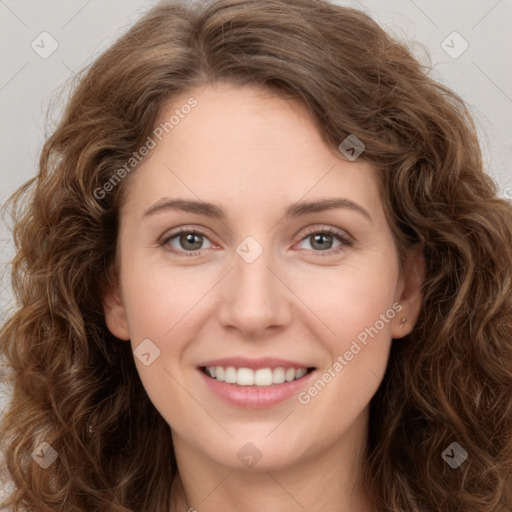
(450, 380)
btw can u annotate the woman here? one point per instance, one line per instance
(183, 340)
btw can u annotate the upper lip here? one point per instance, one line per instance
(254, 364)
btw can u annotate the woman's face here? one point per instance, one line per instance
(266, 280)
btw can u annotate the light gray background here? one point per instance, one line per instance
(482, 75)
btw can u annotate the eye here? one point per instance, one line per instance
(323, 238)
(188, 241)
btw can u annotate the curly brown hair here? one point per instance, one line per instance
(449, 380)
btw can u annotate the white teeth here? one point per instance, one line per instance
(245, 377)
(300, 373)
(230, 375)
(278, 376)
(263, 377)
(250, 377)
(290, 374)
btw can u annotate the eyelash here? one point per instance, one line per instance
(345, 241)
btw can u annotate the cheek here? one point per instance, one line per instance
(358, 304)
(160, 311)
(365, 304)
(350, 299)
(157, 297)
(360, 312)
(361, 317)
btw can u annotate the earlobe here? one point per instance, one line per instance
(411, 296)
(115, 314)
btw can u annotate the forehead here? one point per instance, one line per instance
(245, 142)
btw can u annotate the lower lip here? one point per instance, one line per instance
(255, 397)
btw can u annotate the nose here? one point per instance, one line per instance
(255, 299)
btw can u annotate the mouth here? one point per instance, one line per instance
(255, 383)
(255, 378)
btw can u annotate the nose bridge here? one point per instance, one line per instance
(253, 279)
(254, 297)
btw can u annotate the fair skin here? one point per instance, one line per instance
(253, 154)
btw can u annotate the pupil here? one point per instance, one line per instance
(318, 237)
(189, 238)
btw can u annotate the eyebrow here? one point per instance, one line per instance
(294, 210)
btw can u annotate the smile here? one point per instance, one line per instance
(255, 383)
(262, 377)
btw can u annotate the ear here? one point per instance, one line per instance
(409, 292)
(115, 313)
